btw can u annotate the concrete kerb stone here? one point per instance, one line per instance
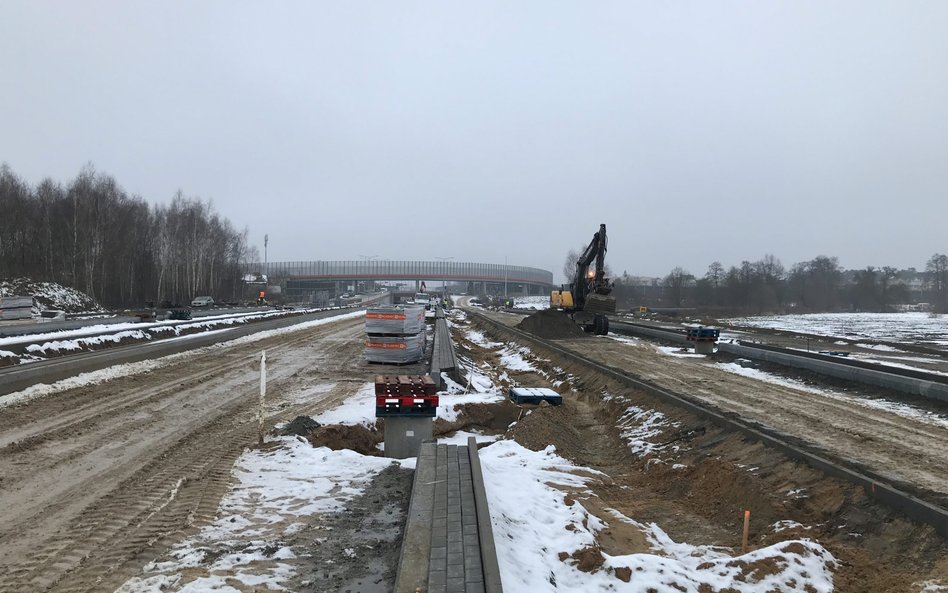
(415, 554)
(491, 569)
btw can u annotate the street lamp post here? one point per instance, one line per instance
(505, 278)
(368, 258)
(442, 260)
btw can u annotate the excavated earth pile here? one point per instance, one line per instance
(358, 438)
(551, 324)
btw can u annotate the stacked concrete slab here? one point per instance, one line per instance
(395, 334)
(15, 307)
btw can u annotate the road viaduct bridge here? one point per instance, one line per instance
(309, 281)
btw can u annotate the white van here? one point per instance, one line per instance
(423, 298)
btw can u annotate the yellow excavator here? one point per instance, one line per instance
(587, 299)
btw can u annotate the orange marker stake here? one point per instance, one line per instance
(747, 518)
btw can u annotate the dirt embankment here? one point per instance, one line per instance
(695, 480)
(98, 479)
(551, 324)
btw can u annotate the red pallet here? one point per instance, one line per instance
(407, 385)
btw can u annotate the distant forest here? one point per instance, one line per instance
(765, 286)
(91, 235)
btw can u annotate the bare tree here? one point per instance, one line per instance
(675, 283)
(937, 269)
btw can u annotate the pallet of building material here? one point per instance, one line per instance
(402, 405)
(15, 314)
(16, 307)
(405, 395)
(395, 320)
(405, 385)
(395, 349)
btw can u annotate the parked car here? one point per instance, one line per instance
(202, 301)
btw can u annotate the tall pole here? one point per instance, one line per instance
(266, 266)
(505, 277)
(443, 260)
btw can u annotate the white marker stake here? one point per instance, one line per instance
(263, 395)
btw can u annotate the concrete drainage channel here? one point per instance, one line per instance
(875, 486)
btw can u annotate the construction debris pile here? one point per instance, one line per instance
(395, 335)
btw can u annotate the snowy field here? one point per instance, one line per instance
(134, 368)
(533, 302)
(899, 408)
(887, 327)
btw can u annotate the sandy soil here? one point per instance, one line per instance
(96, 480)
(100, 480)
(911, 453)
(696, 484)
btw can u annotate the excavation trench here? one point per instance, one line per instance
(695, 479)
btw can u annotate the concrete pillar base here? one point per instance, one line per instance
(404, 435)
(704, 347)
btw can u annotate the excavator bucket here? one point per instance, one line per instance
(600, 303)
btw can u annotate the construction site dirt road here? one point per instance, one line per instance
(96, 478)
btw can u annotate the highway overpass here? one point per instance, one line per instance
(306, 281)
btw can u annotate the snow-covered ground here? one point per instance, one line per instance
(50, 295)
(537, 531)
(276, 490)
(532, 302)
(41, 346)
(170, 326)
(538, 528)
(886, 327)
(898, 408)
(124, 370)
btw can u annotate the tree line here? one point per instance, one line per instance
(91, 235)
(817, 285)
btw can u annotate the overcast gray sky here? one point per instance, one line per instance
(697, 131)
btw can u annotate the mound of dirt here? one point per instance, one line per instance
(551, 324)
(494, 417)
(300, 426)
(50, 295)
(358, 438)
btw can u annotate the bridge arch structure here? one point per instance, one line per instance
(302, 280)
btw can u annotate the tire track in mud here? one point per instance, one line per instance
(123, 437)
(179, 487)
(95, 409)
